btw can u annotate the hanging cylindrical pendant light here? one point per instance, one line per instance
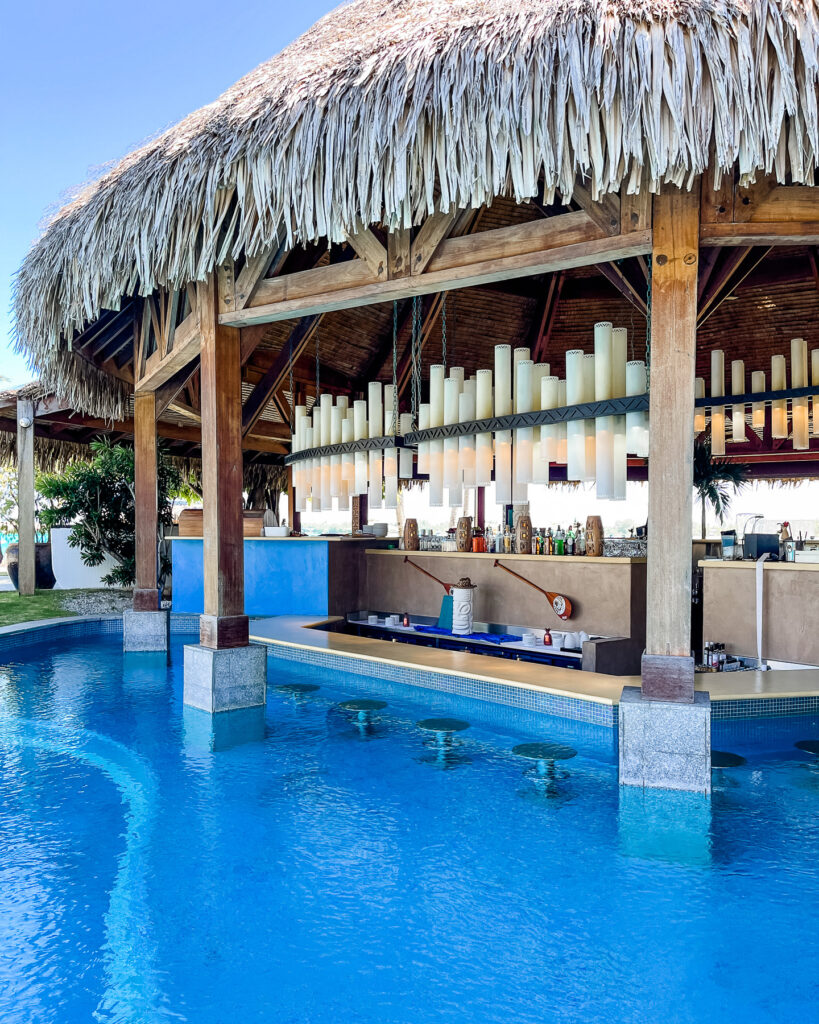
(452, 475)
(590, 426)
(604, 425)
(619, 355)
(758, 408)
(575, 429)
(814, 372)
(549, 399)
(436, 448)
(738, 411)
(361, 462)
(699, 411)
(635, 426)
(315, 464)
(799, 406)
(503, 438)
(307, 442)
(483, 442)
(348, 459)
(466, 443)
(779, 407)
(540, 467)
(335, 460)
(375, 467)
(423, 447)
(717, 411)
(405, 454)
(561, 455)
(326, 403)
(523, 435)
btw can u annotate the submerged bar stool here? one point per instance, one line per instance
(443, 730)
(544, 755)
(363, 708)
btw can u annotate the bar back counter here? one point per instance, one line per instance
(790, 609)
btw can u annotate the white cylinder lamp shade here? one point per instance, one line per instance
(619, 356)
(799, 406)
(423, 447)
(636, 432)
(483, 442)
(604, 425)
(758, 408)
(575, 429)
(452, 477)
(779, 407)
(717, 411)
(436, 448)
(549, 399)
(348, 459)
(561, 455)
(405, 454)
(390, 478)
(738, 411)
(336, 414)
(523, 435)
(375, 479)
(466, 443)
(540, 466)
(699, 411)
(590, 425)
(361, 462)
(814, 373)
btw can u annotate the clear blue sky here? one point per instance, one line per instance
(82, 83)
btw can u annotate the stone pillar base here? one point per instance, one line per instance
(145, 631)
(226, 678)
(665, 744)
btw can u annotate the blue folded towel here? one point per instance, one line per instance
(492, 638)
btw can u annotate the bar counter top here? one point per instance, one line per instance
(333, 538)
(718, 563)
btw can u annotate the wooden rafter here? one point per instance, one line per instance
(736, 265)
(619, 279)
(545, 317)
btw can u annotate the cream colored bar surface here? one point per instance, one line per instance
(298, 631)
(790, 599)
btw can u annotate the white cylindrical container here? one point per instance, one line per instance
(699, 411)
(436, 395)
(452, 476)
(361, 433)
(814, 372)
(635, 423)
(466, 442)
(562, 454)
(523, 435)
(315, 464)
(483, 442)
(503, 380)
(336, 414)
(390, 424)
(423, 447)
(758, 408)
(779, 407)
(375, 480)
(575, 429)
(503, 467)
(348, 459)
(738, 411)
(540, 468)
(799, 406)
(375, 409)
(549, 399)
(462, 618)
(390, 478)
(717, 411)
(405, 454)
(604, 425)
(590, 425)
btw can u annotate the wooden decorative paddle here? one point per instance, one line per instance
(447, 586)
(561, 605)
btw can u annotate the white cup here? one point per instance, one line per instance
(372, 619)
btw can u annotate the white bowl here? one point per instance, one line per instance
(277, 531)
(378, 529)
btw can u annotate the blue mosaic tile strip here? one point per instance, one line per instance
(463, 686)
(764, 707)
(12, 638)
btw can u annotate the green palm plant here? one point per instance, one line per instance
(712, 479)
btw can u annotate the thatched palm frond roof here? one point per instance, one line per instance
(387, 106)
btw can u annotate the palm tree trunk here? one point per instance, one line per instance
(702, 502)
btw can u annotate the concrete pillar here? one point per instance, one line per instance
(25, 497)
(665, 727)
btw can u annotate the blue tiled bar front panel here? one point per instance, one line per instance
(288, 577)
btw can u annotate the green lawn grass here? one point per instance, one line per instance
(43, 604)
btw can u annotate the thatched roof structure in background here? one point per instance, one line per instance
(387, 108)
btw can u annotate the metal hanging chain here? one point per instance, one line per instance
(648, 324)
(394, 365)
(443, 331)
(414, 361)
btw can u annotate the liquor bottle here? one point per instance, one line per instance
(580, 544)
(560, 541)
(550, 542)
(507, 541)
(570, 542)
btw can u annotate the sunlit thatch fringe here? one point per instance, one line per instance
(385, 104)
(50, 455)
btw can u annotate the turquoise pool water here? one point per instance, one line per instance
(298, 866)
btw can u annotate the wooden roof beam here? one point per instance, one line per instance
(738, 265)
(545, 318)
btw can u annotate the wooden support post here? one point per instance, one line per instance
(146, 593)
(668, 669)
(25, 497)
(359, 509)
(224, 623)
(480, 508)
